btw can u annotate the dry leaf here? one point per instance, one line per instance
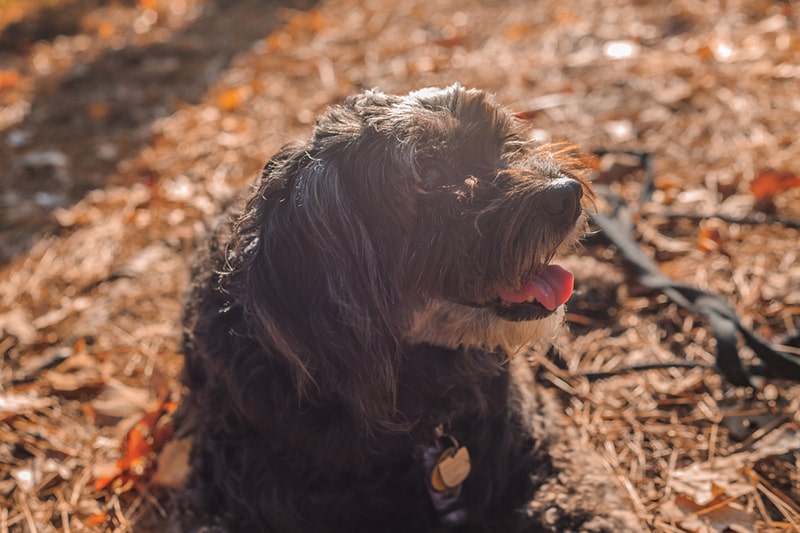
(120, 400)
(518, 31)
(74, 383)
(306, 21)
(77, 375)
(141, 444)
(703, 482)
(451, 42)
(98, 110)
(230, 99)
(8, 79)
(96, 520)
(770, 182)
(104, 474)
(777, 442)
(173, 464)
(723, 514)
(137, 450)
(106, 30)
(709, 239)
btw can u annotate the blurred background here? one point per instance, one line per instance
(124, 124)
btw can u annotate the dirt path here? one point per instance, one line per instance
(121, 134)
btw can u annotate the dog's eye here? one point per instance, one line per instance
(431, 176)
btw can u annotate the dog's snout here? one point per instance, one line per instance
(562, 199)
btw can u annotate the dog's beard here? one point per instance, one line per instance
(453, 325)
(508, 316)
(497, 324)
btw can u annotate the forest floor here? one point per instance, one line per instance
(125, 124)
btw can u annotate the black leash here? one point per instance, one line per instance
(617, 226)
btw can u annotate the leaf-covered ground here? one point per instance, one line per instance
(125, 124)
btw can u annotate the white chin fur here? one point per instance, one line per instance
(452, 325)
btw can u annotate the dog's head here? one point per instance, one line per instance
(426, 218)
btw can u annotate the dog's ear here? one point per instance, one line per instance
(313, 288)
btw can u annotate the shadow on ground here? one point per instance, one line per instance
(98, 114)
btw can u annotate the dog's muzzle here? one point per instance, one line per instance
(551, 286)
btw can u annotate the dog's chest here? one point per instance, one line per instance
(450, 388)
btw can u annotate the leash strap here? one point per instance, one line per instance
(617, 226)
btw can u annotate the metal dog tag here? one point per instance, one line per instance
(451, 469)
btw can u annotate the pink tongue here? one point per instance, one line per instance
(551, 288)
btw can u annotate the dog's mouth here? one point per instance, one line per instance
(539, 297)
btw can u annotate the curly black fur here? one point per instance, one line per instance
(351, 308)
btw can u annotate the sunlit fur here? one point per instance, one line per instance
(348, 310)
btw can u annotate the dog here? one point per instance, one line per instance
(356, 336)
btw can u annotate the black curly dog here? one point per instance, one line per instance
(350, 338)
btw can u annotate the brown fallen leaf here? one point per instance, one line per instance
(230, 99)
(80, 374)
(770, 182)
(722, 514)
(517, 31)
(173, 464)
(8, 79)
(450, 42)
(119, 400)
(142, 442)
(96, 520)
(98, 110)
(106, 30)
(709, 239)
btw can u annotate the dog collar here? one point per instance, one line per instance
(447, 466)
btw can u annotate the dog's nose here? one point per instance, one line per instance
(562, 199)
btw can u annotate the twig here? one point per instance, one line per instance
(124, 523)
(28, 515)
(64, 507)
(754, 219)
(786, 349)
(780, 500)
(148, 496)
(593, 376)
(759, 434)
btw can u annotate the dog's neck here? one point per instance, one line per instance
(452, 325)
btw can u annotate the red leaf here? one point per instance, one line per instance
(103, 482)
(96, 520)
(137, 448)
(710, 239)
(8, 79)
(770, 182)
(140, 447)
(451, 42)
(230, 99)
